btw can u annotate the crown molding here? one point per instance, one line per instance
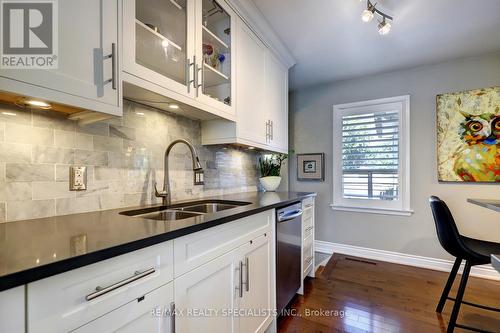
(253, 17)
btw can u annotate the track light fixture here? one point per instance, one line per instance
(369, 13)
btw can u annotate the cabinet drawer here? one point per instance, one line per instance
(307, 202)
(194, 250)
(69, 300)
(152, 314)
(307, 213)
(308, 256)
(307, 230)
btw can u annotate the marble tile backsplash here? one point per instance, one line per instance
(123, 156)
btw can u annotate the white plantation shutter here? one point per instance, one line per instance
(371, 155)
(370, 158)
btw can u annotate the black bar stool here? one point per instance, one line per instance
(473, 251)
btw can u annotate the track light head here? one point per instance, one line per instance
(384, 27)
(367, 15)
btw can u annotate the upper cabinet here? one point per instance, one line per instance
(88, 71)
(181, 49)
(215, 27)
(261, 98)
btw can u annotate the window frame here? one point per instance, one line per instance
(389, 207)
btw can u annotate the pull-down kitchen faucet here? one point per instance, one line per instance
(198, 172)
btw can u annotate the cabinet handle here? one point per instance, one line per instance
(247, 264)
(104, 290)
(272, 129)
(198, 84)
(268, 131)
(188, 74)
(112, 56)
(241, 279)
(172, 317)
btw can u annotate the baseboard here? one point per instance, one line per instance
(483, 271)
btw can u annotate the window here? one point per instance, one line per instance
(371, 151)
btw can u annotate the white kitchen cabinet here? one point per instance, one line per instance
(88, 75)
(182, 50)
(209, 290)
(12, 310)
(308, 227)
(151, 313)
(66, 301)
(277, 103)
(257, 297)
(262, 99)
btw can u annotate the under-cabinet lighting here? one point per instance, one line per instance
(5, 113)
(173, 106)
(38, 104)
(251, 148)
(140, 113)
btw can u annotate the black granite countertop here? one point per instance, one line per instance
(35, 249)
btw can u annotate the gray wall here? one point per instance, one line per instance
(311, 131)
(123, 155)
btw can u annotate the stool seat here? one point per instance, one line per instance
(482, 249)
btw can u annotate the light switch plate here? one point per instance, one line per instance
(77, 178)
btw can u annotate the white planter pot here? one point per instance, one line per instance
(270, 183)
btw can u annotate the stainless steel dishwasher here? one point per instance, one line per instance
(288, 253)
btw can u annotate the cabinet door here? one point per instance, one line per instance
(251, 97)
(257, 298)
(12, 310)
(215, 31)
(158, 42)
(152, 313)
(202, 296)
(87, 32)
(277, 102)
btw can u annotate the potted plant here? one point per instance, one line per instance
(270, 170)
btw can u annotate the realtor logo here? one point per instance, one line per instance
(29, 34)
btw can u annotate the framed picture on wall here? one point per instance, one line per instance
(311, 166)
(468, 136)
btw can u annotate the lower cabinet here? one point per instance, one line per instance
(206, 296)
(219, 280)
(257, 297)
(152, 313)
(232, 293)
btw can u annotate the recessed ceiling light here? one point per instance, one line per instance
(173, 106)
(38, 104)
(5, 113)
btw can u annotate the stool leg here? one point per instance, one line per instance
(449, 283)
(458, 300)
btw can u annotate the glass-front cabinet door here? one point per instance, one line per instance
(215, 65)
(159, 42)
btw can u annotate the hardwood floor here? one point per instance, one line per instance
(358, 295)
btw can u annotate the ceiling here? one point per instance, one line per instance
(330, 42)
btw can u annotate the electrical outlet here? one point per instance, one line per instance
(198, 177)
(77, 178)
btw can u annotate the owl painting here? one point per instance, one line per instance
(468, 126)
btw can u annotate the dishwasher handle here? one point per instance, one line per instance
(289, 215)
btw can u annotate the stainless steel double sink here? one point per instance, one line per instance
(185, 210)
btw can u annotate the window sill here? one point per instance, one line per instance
(372, 210)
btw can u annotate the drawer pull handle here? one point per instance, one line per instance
(241, 279)
(104, 290)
